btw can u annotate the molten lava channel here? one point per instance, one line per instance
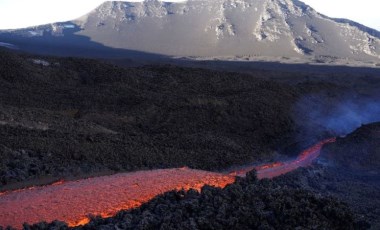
(271, 170)
(72, 202)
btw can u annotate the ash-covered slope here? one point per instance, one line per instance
(273, 28)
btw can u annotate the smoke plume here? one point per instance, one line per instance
(320, 115)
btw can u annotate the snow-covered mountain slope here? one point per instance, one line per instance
(272, 28)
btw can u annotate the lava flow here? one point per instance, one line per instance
(279, 168)
(72, 202)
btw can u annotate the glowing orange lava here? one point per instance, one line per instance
(74, 201)
(279, 168)
(58, 182)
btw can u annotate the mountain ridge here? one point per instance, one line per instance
(273, 28)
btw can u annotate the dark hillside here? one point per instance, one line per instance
(64, 116)
(360, 150)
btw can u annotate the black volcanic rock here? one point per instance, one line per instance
(348, 170)
(75, 116)
(358, 150)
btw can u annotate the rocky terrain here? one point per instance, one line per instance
(78, 116)
(73, 118)
(246, 204)
(348, 170)
(359, 190)
(357, 151)
(65, 116)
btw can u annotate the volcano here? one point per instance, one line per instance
(201, 28)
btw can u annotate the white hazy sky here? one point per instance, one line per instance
(23, 13)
